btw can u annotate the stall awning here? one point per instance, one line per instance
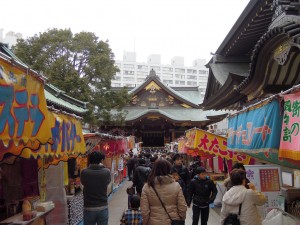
(213, 144)
(111, 145)
(23, 111)
(66, 136)
(256, 130)
(27, 127)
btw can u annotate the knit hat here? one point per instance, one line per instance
(200, 169)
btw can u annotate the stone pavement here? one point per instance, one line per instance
(118, 203)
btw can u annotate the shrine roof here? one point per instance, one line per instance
(175, 114)
(153, 77)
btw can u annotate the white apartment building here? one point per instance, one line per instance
(133, 73)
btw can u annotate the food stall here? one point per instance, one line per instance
(214, 155)
(270, 131)
(23, 128)
(114, 147)
(34, 139)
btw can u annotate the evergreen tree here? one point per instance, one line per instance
(79, 64)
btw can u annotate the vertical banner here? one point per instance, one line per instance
(290, 133)
(257, 130)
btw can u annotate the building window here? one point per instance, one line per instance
(192, 71)
(155, 68)
(191, 77)
(128, 66)
(167, 81)
(203, 72)
(179, 76)
(179, 82)
(203, 79)
(167, 75)
(142, 67)
(128, 72)
(180, 70)
(128, 79)
(192, 83)
(167, 69)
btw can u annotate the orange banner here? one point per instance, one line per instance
(23, 110)
(213, 144)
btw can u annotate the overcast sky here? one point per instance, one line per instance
(188, 28)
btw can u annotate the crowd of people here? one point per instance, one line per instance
(165, 188)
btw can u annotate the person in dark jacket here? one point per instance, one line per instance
(182, 171)
(177, 178)
(95, 179)
(140, 176)
(131, 165)
(203, 192)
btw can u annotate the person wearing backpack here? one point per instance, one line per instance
(240, 197)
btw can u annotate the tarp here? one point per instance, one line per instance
(23, 111)
(290, 132)
(256, 130)
(213, 144)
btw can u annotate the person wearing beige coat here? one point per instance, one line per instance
(170, 193)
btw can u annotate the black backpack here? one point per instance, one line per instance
(233, 219)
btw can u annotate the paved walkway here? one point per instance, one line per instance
(118, 203)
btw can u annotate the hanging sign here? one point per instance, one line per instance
(67, 138)
(290, 133)
(257, 130)
(214, 144)
(23, 111)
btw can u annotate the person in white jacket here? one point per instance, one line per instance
(239, 194)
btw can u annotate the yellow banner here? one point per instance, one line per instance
(213, 144)
(67, 138)
(23, 110)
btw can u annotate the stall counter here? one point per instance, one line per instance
(18, 218)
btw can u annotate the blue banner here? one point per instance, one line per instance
(257, 130)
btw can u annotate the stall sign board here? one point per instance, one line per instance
(23, 111)
(267, 179)
(257, 130)
(213, 144)
(290, 133)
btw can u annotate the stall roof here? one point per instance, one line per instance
(59, 99)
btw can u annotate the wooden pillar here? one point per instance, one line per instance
(173, 135)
